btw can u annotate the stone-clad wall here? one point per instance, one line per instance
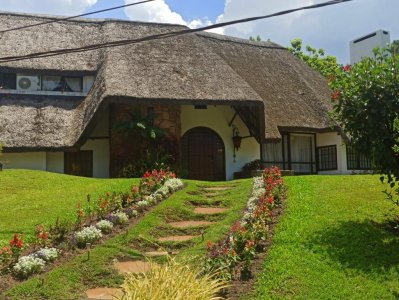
(127, 149)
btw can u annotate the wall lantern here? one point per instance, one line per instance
(237, 140)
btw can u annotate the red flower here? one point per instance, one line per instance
(347, 68)
(209, 244)
(249, 244)
(336, 95)
(108, 194)
(17, 241)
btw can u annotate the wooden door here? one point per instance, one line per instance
(203, 154)
(79, 163)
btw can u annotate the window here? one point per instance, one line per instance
(302, 152)
(295, 152)
(356, 161)
(62, 83)
(273, 155)
(8, 81)
(327, 156)
(79, 163)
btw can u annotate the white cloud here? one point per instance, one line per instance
(160, 12)
(330, 28)
(56, 7)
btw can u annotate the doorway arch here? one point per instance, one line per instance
(203, 154)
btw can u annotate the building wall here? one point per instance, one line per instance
(29, 160)
(55, 162)
(364, 46)
(100, 148)
(125, 149)
(333, 138)
(217, 118)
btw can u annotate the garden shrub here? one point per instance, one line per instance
(118, 218)
(105, 226)
(88, 235)
(172, 280)
(46, 254)
(28, 265)
(248, 234)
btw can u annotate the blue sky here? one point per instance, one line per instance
(330, 28)
(191, 9)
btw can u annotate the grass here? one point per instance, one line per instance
(73, 278)
(30, 197)
(335, 241)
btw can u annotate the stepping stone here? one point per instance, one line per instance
(176, 238)
(216, 188)
(155, 253)
(134, 266)
(104, 294)
(160, 253)
(184, 224)
(209, 210)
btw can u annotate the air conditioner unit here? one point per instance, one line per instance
(28, 83)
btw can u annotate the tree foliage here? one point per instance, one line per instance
(316, 58)
(366, 106)
(255, 39)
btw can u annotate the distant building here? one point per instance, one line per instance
(364, 46)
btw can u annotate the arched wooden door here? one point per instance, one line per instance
(203, 154)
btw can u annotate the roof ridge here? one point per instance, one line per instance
(98, 21)
(237, 40)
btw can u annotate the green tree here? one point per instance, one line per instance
(256, 39)
(366, 106)
(316, 58)
(395, 45)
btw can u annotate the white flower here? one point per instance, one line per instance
(47, 254)
(173, 184)
(28, 265)
(105, 226)
(88, 235)
(142, 203)
(119, 218)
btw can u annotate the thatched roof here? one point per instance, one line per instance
(296, 97)
(202, 68)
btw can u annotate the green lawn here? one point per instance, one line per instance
(73, 278)
(29, 197)
(334, 242)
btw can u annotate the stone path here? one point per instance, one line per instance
(187, 224)
(209, 210)
(155, 253)
(104, 294)
(216, 188)
(133, 266)
(176, 238)
(138, 266)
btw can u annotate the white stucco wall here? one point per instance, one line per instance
(333, 138)
(100, 149)
(28, 160)
(217, 118)
(55, 162)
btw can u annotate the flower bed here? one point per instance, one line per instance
(94, 219)
(248, 235)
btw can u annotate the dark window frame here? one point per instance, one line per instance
(286, 153)
(4, 79)
(334, 161)
(357, 162)
(90, 163)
